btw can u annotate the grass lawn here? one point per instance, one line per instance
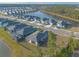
(53, 25)
(30, 47)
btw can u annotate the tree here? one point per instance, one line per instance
(71, 46)
(51, 44)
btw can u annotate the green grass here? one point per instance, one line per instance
(53, 25)
(39, 29)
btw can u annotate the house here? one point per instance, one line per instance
(42, 37)
(22, 33)
(19, 26)
(63, 24)
(37, 38)
(31, 18)
(10, 27)
(53, 22)
(10, 23)
(21, 30)
(46, 21)
(26, 31)
(37, 19)
(16, 37)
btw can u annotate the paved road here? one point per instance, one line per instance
(61, 32)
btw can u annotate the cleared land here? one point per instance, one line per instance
(68, 12)
(74, 29)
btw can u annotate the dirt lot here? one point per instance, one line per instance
(61, 41)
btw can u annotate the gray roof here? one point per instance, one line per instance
(32, 36)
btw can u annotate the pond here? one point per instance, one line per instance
(4, 50)
(39, 14)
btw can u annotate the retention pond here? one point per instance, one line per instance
(4, 50)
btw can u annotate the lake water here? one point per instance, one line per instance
(4, 50)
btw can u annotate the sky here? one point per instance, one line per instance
(39, 2)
